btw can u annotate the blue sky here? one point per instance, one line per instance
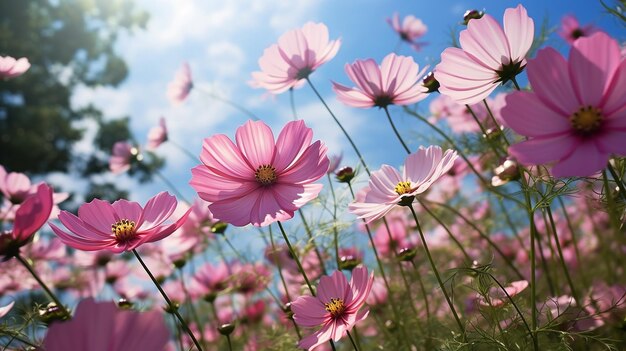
(222, 41)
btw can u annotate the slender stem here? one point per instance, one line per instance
(533, 234)
(352, 341)
(356, 150)
(171, 306)
(335, 231)
(189, 154)
(497, 151)
(393, 126)
(434, 267)
(192, 310)
(43, 285)
(618, 180)
(574, 239)
(452, 236)
(230, 345)
(309, 233)
(282, 279)
(515, 83)
(295, 257)
(171, 186)
(228, 102)
(493, 119)
(558, 247)
(293, 104)
(423, 289)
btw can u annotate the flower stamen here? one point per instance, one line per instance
(265, 175)
(123, 229)
(586, 120)
(335, 307)
(403, 188)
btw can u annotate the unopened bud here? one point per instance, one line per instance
(407, 254)
(430, 83)
(348, 262)
(125, 304)
(219, 227)
(505, 173)
(226, 328)
(472, 14)
(345, 174)
(52, 313)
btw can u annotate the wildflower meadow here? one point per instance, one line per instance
(462, 188)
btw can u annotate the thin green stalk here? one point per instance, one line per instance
(618, 180)
(230, 345)
(558, 247)
(295, 257)
(43, 285)
(293, 104)
(228, 102)
(356, 150)
(496, 150)
(436, 271)
(309, 233)
(170, 305)
(335, 231)
(393, 126)
(423, 289)
(192, 310)
(352, 341)
(574, 240)
(189, 154)
(452, 237)
(170, 185)
(493, 119)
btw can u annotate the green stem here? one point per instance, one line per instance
(570, 226)
(618, 180)
(393, 126)
(309, 233)
(43, 285)
(171, 186)
(293, 104)
(352, 341)
(295, 257)
(434, 267)
(191, 156)
(452, 237)
(558, 247)
(230, 345)
(192, 310)
(493, 119)
(356, 150)
(533, 234)
(170, 305)
(228, 102)
(496, 150)
(335, 231)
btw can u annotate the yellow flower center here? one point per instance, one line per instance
(403, 188)
(265, 175)
(586, 120)
(335, 307)
(123, 230)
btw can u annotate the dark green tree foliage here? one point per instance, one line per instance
(68, 43)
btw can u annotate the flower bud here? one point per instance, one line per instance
(125, 304)
(226, 328)
(219, 227)
(505, 173)
(407, 254)
(472, 14)
(345, 174)
(348, 262)
(52, 313)
(430, 83)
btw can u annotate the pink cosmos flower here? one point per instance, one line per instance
(336, 308)
(210, 279)
(102, 326)
(497, 297)
(10, 67)
(179, 88)
(410, 30)
(397, 81)
(29, 218)
(388, 187)
(298, 53)
(488, 55)
(121, 226)
(121, 156)
(575, 117)
(258, 180)
(571, 30)
(157, 135)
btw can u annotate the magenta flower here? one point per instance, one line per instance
(102, 326)
(571, 30)
(488, 55)
(410, 30)
(29, 218)
(157, 135)
(10, 67)
(121, 156)
(336, 308)
(179, 88)
(298, 53)
(258, 180)
(121, 226)
(389, 188)
(397, 81)
(575, 116)
(14, 186)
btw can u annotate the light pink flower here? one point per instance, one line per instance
(496, 297)
(576, 116)
(298, 53)
(388, 187)
(258, 180)
(10, 67)
(489, 55)
(157, 135)
(410, 30)
(121, 226)
(29, 218)
(571, 30)
(121, 156)
(336, 308)
(101, 326)
(210, 279)
(179, 88)
(397, 81)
